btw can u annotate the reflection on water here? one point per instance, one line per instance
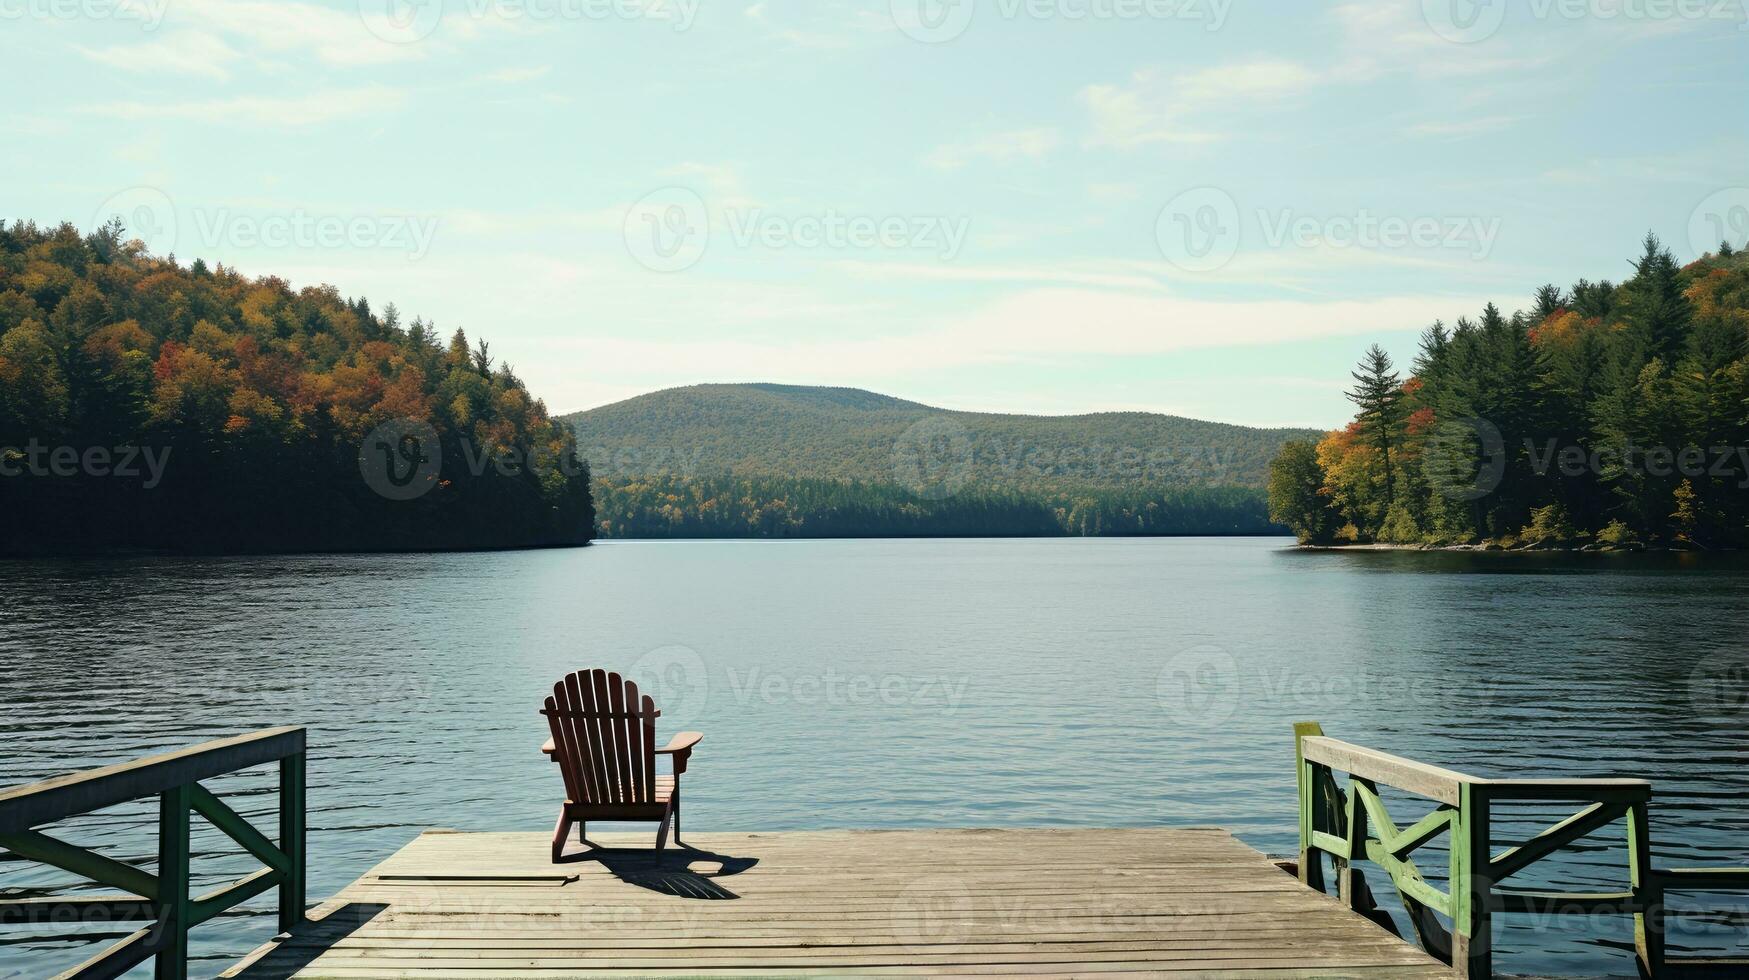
(887, 684)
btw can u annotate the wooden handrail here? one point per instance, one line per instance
(1408, 775)
(24, 807)
(162, 897)
(1351, 825)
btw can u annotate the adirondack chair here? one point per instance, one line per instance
(604, 740)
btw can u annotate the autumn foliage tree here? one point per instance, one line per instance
(258, 398)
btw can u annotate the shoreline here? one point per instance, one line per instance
(1494, 547)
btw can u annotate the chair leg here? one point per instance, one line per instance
(676, 806)
(582, 831)
(559, 831)
(662, 830)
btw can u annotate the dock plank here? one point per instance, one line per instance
(1180, 902)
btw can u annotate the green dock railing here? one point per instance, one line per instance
(162, 899)
(1351, 825)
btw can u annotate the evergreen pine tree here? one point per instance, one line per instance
(1379, 393)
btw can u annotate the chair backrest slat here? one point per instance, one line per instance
(648, 708)
(604, 736)
(622, 737)
(588, 745)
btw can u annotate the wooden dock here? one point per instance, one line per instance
(1190, 902)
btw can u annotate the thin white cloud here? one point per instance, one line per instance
(1019, 144)
(1374, 41)
(213, 38)
(1088, 275)
(1126, 117)
(175, 52)
(331, 35)
(1155, 106)
(1245, 82)
(301, 110)
(1461, 128)
(517, 75)
(1386, 38)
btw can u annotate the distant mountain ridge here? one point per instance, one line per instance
(849, 434)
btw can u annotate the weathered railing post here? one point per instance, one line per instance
(1471, 887)
(292, 840)
(1648, 891)
(171, 962)
(1311, 865)
(1350, 880)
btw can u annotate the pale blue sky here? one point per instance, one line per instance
(1048, 206)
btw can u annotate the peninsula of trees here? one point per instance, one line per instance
(145, 404)
(1606, 416)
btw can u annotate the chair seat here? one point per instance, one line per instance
(664, 791)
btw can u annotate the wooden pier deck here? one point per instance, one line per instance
(1190, 902)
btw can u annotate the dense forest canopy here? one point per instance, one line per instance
(794, 507)
(1605, 416)
(146, 404)
(767, 460)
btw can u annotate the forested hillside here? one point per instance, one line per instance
(850, 434)
(779, 460)
(148, 404)
(1605, 416)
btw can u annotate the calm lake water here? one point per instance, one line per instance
(888, 684)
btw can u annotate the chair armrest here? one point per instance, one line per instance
(683, 742)
(680, 747)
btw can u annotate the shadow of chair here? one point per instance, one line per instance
(673, 872)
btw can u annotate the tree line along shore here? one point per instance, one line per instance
(1605, 417)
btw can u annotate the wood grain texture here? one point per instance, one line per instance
(1179, 902)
